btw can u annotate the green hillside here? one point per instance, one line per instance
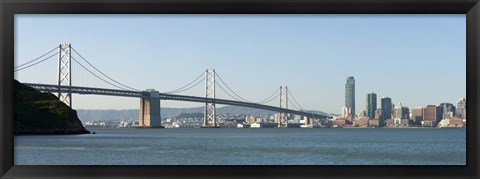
(43, 113)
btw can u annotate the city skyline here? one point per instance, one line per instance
(235, 58)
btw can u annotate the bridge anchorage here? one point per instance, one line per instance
(149, 112)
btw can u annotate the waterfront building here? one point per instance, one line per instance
(397, 111)
(340, 122)
(432, 114)
(345, 111)
(378, 114)
(444, 123)
(361, 122)
(456, 122)
(389, 123)
(350, 117)
(461, 108)
(386, 108)
(371, 105)
(255, 125)
(350, 94)
(276, 118)
(361, 114)
(448, 110)
(397, 122)
(259, 120)
(452, 122)
(374, 122)
(297, 118)
(405, 112)
(416, 115)
(250, 119)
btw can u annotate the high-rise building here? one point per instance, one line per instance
(461, 108)
(371, 105)
(405, 112)
(401, 112)
(386, 108)
(350, 94)
(398, 111)
(448, 110)
(417, 115)
(431, 115)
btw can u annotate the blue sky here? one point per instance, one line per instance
(414, 59)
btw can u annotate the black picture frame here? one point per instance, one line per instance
(8, 8)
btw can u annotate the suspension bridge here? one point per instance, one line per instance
(93, 81)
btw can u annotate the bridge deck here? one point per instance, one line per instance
(164, 96)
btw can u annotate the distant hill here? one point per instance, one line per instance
(321, 113)
(87, 114)
(43, 113)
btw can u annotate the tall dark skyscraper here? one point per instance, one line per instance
(386, 108)
(461, 108)
(371, 105)
(350, 94)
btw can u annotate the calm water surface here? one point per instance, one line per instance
(275, 146)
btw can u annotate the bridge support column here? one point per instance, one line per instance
(65, 72)
(283, 121)
(209, 117)
(309, 121)
(149, 114)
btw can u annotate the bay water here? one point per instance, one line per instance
(246, 146)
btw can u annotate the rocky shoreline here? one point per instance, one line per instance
(39, 113)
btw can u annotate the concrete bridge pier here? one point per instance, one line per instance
(309, 120)
(149, 114)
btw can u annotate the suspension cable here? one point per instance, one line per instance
(293, 104)
(270, 100)
(230, 88)
(130, 88)
(288, 91)
(178, 90)
(186, 88)
(34, 63)
(228, 93)
(97, 75)
(37, 58)
(263, 101)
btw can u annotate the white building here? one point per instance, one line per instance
(444, 123)
(255, 125)
(345, 111)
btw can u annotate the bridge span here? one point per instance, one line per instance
(164, 96)
(149, 114)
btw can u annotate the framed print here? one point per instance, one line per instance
(239, 89)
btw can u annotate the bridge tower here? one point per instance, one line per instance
(283, 121)
(209, 117)
(65, 72)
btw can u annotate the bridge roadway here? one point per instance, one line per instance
(164, 96)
